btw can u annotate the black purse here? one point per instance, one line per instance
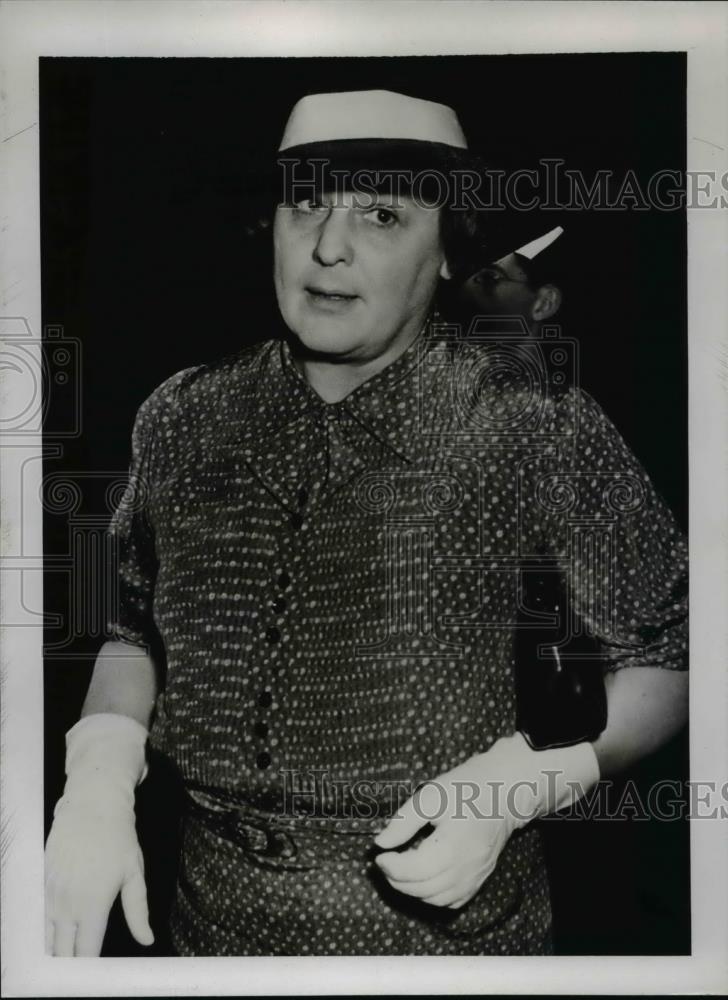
(560, 693)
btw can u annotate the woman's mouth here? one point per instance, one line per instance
(326, 298)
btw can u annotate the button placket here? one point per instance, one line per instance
(273, 632)
(261, 729)
(273, 637)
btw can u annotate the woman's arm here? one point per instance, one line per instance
(646, 708)
(125, 681)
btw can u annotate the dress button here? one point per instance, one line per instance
(279, 605)
(260, 729)
(273, 634)
(263, 759)
(296, 520)
(284, 580)
(302, 496)
(265, 699)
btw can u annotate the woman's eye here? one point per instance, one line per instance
(384, 218)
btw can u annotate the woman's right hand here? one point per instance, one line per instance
(91, 856)
(92, 853)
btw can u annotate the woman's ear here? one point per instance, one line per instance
(445, 271)
(547, 303)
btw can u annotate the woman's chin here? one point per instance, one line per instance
(325, 341)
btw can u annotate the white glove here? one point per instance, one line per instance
(92, 851)
(474, 809)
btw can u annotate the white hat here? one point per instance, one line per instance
(370, 115)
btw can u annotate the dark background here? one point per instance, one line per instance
(150, 187)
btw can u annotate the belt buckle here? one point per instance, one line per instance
(263, 840)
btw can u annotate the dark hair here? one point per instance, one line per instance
(458, 227)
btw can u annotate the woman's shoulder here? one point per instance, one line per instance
(209, 386)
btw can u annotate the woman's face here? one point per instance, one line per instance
(355, 277)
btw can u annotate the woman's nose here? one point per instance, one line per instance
(334, 239)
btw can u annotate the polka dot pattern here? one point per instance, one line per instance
(340, 904)
(336, 587)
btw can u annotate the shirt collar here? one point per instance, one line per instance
(386, 406)
(287, 437)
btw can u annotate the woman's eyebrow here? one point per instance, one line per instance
(382, 199)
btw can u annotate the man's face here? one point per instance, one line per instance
(355, 277)
(500, 289)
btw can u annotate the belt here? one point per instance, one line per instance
(294, 842)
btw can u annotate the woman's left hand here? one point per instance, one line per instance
(474, 809)
(449, 866)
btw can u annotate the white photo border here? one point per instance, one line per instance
(30, 29)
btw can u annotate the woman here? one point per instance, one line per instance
(328, 534)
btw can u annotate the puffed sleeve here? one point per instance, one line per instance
(625, 559)
(131, 532)
(133, 557)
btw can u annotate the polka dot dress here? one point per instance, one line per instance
(336, 587)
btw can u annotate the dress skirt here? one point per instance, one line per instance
(264, 884)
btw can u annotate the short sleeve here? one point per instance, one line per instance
(131, 534)
(624, 556)
(133, 558)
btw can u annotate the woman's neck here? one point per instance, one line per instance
(335, 380)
